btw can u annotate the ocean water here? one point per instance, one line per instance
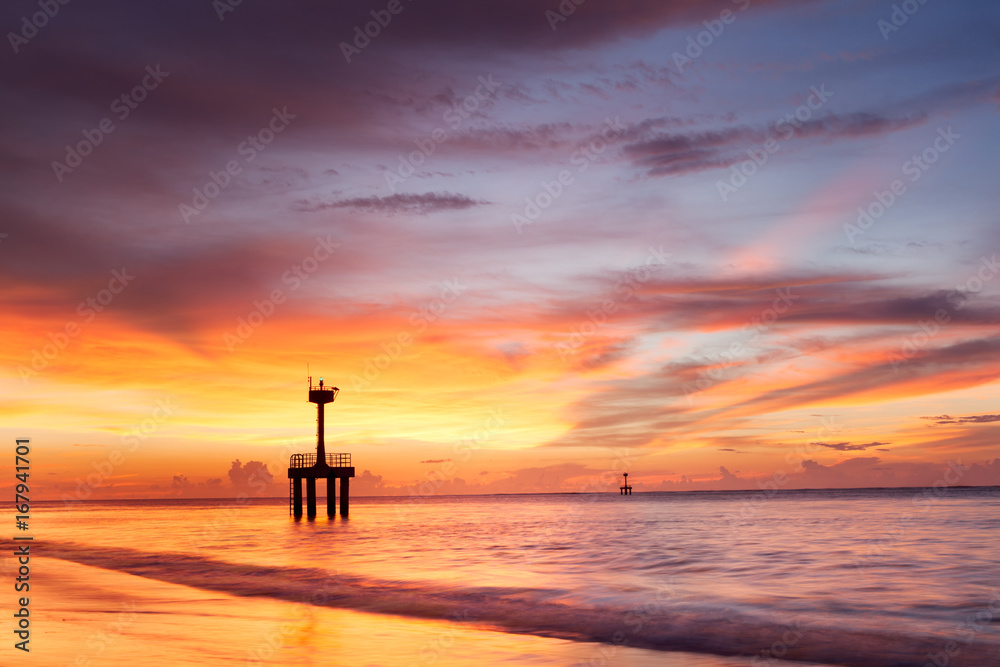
(883, 577)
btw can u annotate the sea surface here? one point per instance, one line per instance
(883, 577)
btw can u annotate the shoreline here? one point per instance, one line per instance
(85, 615)
(666, 633)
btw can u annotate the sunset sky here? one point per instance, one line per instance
(709, 242)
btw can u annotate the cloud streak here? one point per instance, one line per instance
(680, 153)
(418, 204)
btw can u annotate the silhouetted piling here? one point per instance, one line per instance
(320, 465)
(625, 489)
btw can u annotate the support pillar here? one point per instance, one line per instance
(311, 496)
(331, 496)
(320, 444)
(297, 496)
(345, 492)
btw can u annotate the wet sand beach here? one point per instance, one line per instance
(91, 616)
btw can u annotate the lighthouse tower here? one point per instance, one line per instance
(625, 489)
(310, 467)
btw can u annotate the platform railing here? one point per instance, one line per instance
(309, 460)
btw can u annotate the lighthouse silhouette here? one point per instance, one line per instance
(625, 489)
(310, 467)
